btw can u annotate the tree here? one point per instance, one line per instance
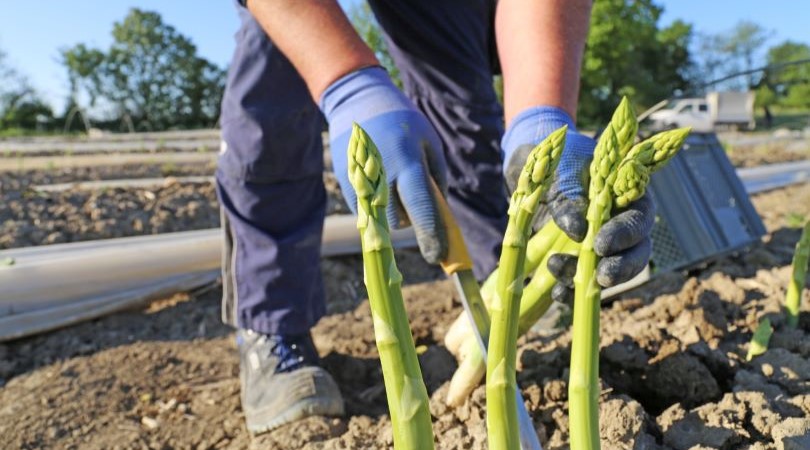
(734, 51)
(20, 106)
(743, 43)
(628, 54)
(790, 83)
(369, 30)
(151, 74)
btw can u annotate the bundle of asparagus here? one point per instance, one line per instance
(619, 175)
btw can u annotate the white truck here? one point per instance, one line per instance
(717, 110)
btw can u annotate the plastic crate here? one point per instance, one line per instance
(703, 209)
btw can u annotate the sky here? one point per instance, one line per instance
(33, 31)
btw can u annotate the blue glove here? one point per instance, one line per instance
(623, 243)
(567, 200)
(410, 147)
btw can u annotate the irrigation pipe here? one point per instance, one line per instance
(50, 286)
(122, 183)
(59, 162)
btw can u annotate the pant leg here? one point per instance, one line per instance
(270, 187)
(444, 51)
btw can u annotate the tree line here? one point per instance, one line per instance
(151, 77)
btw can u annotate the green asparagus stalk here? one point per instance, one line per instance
(502, 422)
(536, 250)
(405, 390)
(797, 279)
(759, 342)
(536, 297)
(619, 174)
(534, 302)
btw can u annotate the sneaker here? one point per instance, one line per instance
(282, 381)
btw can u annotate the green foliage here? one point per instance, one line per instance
(765, 96)
(151, 75)
(20, 106)
(736, 50)
(627, 54)
(742, 44)
(369, 30)
(791, 84)
(795, 220)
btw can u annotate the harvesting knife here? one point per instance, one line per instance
(458, 266)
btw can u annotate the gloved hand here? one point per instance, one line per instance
(410, 147)
(623, 243)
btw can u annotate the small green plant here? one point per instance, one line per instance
(759, 342)
(795, 220)
(798, 275)
(169, 168)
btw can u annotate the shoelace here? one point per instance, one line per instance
(291, 356)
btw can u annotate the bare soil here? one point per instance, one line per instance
(769, 151)
(672, 366)
(31, 217)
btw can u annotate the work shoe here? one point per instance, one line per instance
(282, 382)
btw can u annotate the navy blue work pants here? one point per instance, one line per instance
(269, 177)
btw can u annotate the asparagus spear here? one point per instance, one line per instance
(502, 423)
(405, 390)
(796, 285)
(618, 174)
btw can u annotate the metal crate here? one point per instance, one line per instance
(703, 209)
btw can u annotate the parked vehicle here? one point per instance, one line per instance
(717, 110)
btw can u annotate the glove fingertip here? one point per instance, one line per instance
(562, 267)
(562, 294)
(432, 248)
(623, 267)
(569, 215)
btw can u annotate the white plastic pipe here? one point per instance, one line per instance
(113, 159)
(122, 183)
(56, 285)
(774, 176)
(71, 312)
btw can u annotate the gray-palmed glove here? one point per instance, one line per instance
(623, 243)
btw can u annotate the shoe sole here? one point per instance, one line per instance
(260, 423)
